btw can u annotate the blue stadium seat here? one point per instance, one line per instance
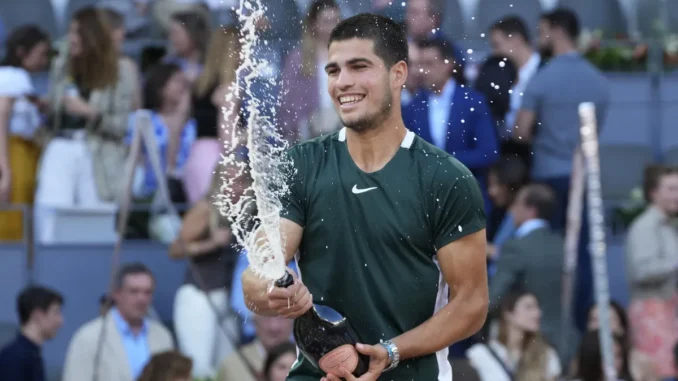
(38, 12)
(629, 113)
(668, 113)
(621, 169)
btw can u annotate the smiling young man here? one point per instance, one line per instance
(383, 221)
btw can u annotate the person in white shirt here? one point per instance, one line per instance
(519, 352)
(510, 38)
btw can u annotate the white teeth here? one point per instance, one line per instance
(350, 99)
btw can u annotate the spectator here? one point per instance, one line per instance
(165, 10)
(20, 119)
(533, 260)
(590, 359)
(519, 352)
(423, 17)
(510, 39)
(167, 95)
(640, 366)
(201, 304)
(117, 346)
(91, 97)
(167, 366)
(302, 116)
(450, 115)
(271, 332)
(211, 96)
(505, 178)
(495, 78)
(552, 99)
(189, 35)
(652, 266)
(279, 362)
(413, 84)
(39, 311)
(116, 21)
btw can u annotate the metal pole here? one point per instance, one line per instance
(597, 247)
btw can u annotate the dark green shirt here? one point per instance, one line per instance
(370, 239)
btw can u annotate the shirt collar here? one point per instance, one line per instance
(26, 342)
(447, 92)
(124, 327)
(529, 226)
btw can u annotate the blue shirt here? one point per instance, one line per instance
(135, 344)
(21, 361)
(529, 226)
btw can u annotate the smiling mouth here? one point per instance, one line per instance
(350, 99)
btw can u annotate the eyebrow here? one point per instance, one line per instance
(353, 61)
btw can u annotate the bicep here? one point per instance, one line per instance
(463, 264)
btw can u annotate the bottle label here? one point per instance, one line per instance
(344, 356)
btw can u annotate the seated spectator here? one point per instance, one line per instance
(90, 97)
(165, 10)
(116, 22)
(590, 360)
(201, 305)
(129, 337)
(271, 331)
(413, 83)
(505, 178)
(652, 265)
(640, 365)
(188, 37)
(167, 95)
(39, 311)
(305, 97)
(27, 48)
(452, 116)
(279, 362)
(533, 260)
(167, 366)
(520, 352)
(211, 96)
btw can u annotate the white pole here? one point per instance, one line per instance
(597, 247)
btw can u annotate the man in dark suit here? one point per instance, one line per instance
(533, 259)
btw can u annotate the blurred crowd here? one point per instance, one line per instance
(512, 120)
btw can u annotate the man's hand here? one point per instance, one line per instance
(378, 362)
(290, 302)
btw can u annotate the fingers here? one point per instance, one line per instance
(369, 350)
(330, 377)
(290, 302)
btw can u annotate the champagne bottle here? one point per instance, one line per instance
(328, 345)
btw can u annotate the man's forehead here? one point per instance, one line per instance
(349, 49)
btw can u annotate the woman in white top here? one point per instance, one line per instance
(519, 353)
(27, 51)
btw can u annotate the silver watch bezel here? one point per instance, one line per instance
(393, 355)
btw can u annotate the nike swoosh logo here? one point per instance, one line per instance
(355, 189)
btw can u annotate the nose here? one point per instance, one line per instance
(344, 80)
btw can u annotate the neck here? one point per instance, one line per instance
(563, 47)
(661, 210)
(522, 56)
(372, 149)
(33, 334)
(168, 109)
(514, 340)
(439, 87)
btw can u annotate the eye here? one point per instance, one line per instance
(332, 71)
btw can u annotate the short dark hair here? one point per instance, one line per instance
(134, 268)
(652, 177)
(25, 37)
(156, 80)
(276, 353)
(512, 26)
(448, 52)
(390, 41)
(564, 19)
(542, 198)
(511, 171)
(36, 298)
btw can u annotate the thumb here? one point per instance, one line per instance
(369, 350)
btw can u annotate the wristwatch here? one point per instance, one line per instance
(393, 355)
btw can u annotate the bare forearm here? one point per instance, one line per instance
(255, 290)
(460, 318)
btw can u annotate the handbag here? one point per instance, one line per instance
(162, 222)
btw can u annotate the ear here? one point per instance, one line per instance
(399, 72)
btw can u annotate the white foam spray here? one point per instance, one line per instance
(267, 166)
